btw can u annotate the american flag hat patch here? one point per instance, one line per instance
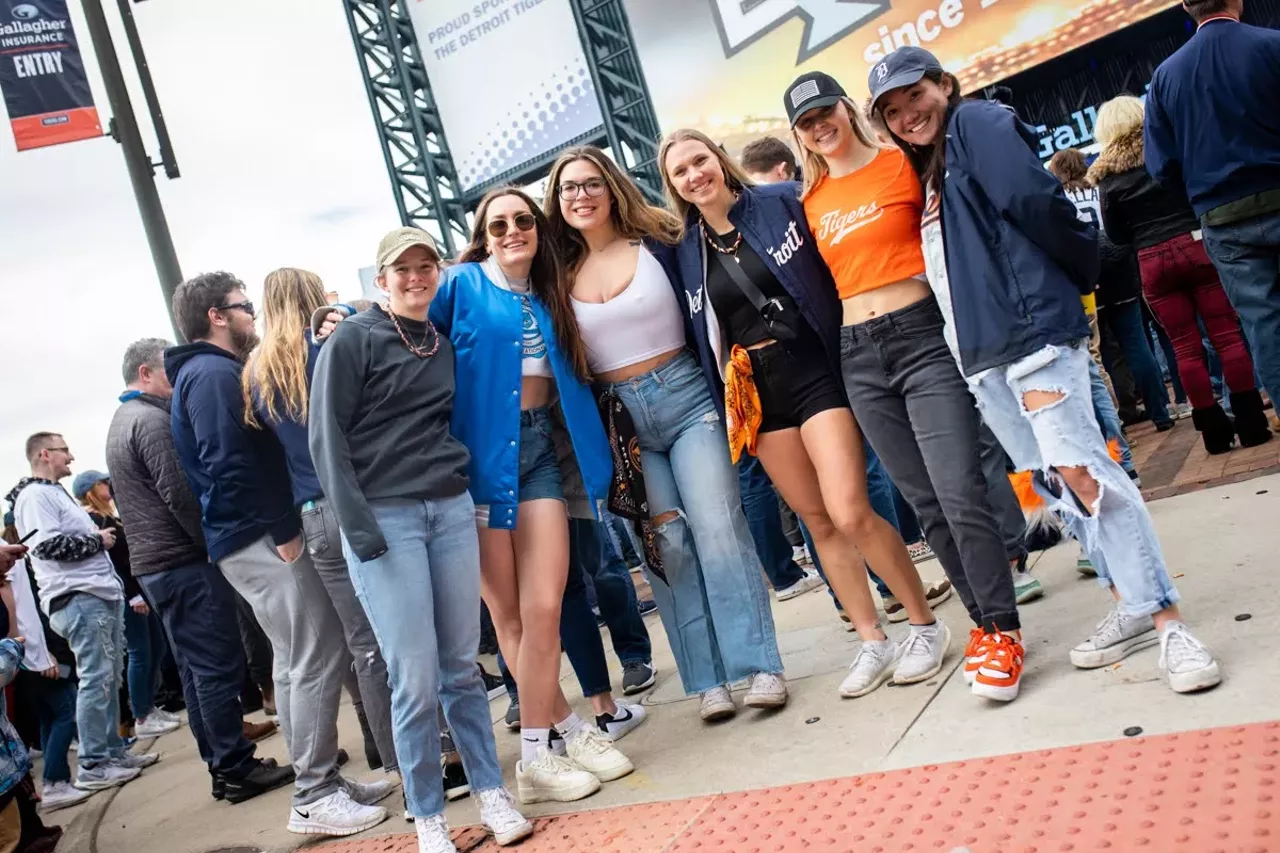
(803, 92)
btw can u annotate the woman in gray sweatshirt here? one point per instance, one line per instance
(381, 401)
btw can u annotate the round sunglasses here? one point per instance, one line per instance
(498, 228)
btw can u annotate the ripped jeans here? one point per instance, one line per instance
(1117, 534)
(716, 609)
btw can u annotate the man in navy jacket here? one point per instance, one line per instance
(1213, 126)
(253, 534)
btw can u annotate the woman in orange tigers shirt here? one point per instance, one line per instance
(864, 205)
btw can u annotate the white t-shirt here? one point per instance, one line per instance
(51, 511)
(935, 267)
(1088, 206)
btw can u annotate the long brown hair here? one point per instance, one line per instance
(815, 165)
(632, 215)
(929, 161)
(546, 277)
(734, 177)
(276, 373)
(1068, 166)
(93, 503)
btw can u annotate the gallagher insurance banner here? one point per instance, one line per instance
(42, 75)
(722, 65)
(510, 79)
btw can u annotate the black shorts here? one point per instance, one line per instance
(794, 385)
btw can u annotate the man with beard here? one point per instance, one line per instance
(253, 535)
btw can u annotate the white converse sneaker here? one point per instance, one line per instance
(433, 835)
(594, 753)
(1188, 663)
(550, 778)
(717, 704)
(767, 691)
(336, 815)
(154, 727)
(871, 667)
(368, 793)
(60, 795)
(500, 818)
(1117, 636)
(165, 716)
(921, 654)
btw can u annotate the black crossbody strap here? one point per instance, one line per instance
(744, 282)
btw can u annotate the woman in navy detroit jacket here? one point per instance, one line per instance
(807, 440)
(524, 411)
(1008, 256)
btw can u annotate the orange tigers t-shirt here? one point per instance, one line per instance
(867, 224)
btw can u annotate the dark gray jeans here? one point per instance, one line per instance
(324, 544)
(917, 412)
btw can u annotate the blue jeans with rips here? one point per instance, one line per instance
(94, 629)
(1117, 532)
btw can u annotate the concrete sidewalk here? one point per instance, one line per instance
(1221, 545)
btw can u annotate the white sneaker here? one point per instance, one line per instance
(336, 815)
(500, 818)
(60, 795)
(767, 691)
(164, 715)
(368, 793)
(550, 778)
(130, 761)
(871, 667)
(104, 776)
(1116, 637)
(154, 727)
(1188, 663)
(921, 654)
(433, 835)
(810, 581)
(594, 753)
(619, 724)
(717, 704)
(800, 554)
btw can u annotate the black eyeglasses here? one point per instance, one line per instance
(246, 307)
(498, 228)
(593, 187)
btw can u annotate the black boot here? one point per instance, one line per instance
(1251, 420)
(371, 754)
(1216, 430)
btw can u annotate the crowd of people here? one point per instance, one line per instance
(872, 338)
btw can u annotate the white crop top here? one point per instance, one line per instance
(642, 321)
(534, 361)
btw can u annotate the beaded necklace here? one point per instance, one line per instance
(418, 349)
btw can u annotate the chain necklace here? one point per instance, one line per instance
(418, 349)
(731, 251)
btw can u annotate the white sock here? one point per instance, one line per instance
(530, 740)
(570, 726)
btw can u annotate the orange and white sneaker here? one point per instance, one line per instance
(1000, 675)
(976, 652)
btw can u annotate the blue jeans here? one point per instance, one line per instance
(53, 702)
(144, 637)
(579, 631)
(592, 547)
(1117, 533)
(716, 608)
(764, 519)
(622, 538)
(198, 610)
(1104, 409)
(94, 629)
(1247, 255)
(423, 600)
(1125, 322)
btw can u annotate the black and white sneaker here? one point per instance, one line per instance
(638, 677)
(618, 725)
(513, 715)
(456, 785)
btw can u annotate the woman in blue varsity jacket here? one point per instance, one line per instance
(526, 414)
(765, 316)
(1008, 259)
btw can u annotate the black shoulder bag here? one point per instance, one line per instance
(780, 320)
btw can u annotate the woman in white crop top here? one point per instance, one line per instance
(524, 410)
(704, 570)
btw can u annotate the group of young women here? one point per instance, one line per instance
(601, 349)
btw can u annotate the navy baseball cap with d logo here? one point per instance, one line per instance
(906, 66)
(812, 91)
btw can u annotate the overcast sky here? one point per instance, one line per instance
(281, 166)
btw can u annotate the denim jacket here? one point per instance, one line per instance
(15, 761)
(484, 323)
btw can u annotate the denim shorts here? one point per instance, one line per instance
(539, 465)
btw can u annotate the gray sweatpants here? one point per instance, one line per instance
(324, 545)
(295, 611)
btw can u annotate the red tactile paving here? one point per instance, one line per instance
(1206, 791)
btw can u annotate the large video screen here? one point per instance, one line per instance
(722, 65)
(510, 79)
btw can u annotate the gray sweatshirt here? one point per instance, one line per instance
(380, 424)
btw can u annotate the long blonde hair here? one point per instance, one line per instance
(734, 177)
(815, 165)
(632, 215)
(276, 373)
(1118, 117)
